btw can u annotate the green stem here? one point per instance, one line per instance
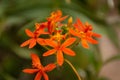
(67, 61)
(46, 47)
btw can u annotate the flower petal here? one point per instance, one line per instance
(80, 24)
(84, 43)
(91, 40)
(96, 35)
(30, 71)
(68, 42)
(51, 43)
(29, 33)
(41, 41)
(49, 67)
(50, 52)
(45, 76)
(43, 32)
(38, 76)
(61, 19)
(68, 51)
(25, 43)
(89, 34)
(50, 26)
(32, 43)
(74, 33)
(76, 26)
(60, 58)
(35, 59)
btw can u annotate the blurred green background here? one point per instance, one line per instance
(16, 15)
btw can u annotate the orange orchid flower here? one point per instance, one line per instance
(59, 49)
(34, 38)
(53, 19)
(84, 32)
(38, 68)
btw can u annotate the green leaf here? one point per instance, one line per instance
(22, 52)
(10, 44)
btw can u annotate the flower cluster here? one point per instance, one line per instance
(60, 37)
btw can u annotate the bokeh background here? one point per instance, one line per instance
(100, 62)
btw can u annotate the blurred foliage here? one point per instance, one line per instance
(16, 15)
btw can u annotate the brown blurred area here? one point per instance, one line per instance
(108, 49)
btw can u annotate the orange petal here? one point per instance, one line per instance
(84, 43)
(25, 43)
(60, 58)
(50, 26)
(49, 67)
(41, 41)
(40, 25)
(32, 43)
(45, 76)
(96, 35)
(68, 51)
(80, 24)
(89, 33)
(58, 13)
(35, 59)
(61, 19)
(43, 32)
(76, 26)
(29, 33)
(74, 33)
(43, 25)
(38, 76)
(30, 71)
(49, 52)
(51, 43)
(93, 41)
(68, 42)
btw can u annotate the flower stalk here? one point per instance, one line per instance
(75, 71)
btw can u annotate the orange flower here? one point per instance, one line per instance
(59, 48)
(84, 32)
(53, 19)
(34, 38)
(38, 68)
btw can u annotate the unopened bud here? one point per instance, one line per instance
(70, 20)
